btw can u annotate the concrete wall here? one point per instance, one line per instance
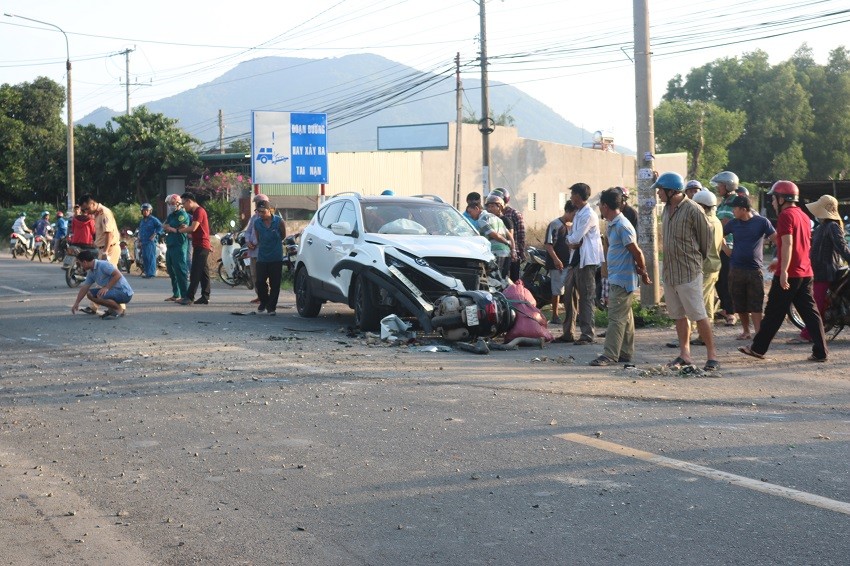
(537, 174)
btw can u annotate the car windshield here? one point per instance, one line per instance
(415, 218)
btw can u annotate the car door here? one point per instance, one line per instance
(316, 247)
(342, 245)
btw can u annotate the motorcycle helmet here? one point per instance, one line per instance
(59, 214)
(502, 192)
(170, 199)
(669, 181)
(727, 179)
(742, 191)
(387, 193)
(45, 214)
(22, 214)
(694, 184)
(785, 190)
(260, 197)
(705, 198)
(147, 206)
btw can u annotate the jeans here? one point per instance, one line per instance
(620, 335)
(199, 274)
(778, 301)
(583, 282)
(268, 283)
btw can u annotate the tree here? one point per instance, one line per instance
(504, 119)
(148, 146)
(827, 148)
(702, 129)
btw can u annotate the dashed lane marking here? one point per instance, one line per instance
(711, 473)
(16, 290)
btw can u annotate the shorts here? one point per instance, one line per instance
(559, 280)
(117, 295)
(685, 300)
(747, 289)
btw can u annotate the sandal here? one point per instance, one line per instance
(172, 299)
(88, 310)
(743, 337)
(678, 363)
(812, 358)
(602, 361)
(747, 350)
(711, 365)
(731, 320)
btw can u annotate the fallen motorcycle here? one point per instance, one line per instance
(74, 272)
(535, 276)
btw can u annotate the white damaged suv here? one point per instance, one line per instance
(385, 255)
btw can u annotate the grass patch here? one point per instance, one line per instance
(645, 317)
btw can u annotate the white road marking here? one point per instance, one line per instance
(711, 473)
(21, 291)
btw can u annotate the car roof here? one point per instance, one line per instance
(383, 199)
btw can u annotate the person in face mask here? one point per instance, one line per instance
(177, 248)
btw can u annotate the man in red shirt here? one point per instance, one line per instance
(199, 273)
(792, 282)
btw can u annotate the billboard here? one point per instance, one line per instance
(289, 147)
(413, 137)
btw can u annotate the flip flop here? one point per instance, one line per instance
(88, 310)
(749, 352)
(812, 358)
(711, 365)
(678, 363)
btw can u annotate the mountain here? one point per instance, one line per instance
(343, 87)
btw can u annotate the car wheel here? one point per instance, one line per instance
(367, 315)
(306, 304)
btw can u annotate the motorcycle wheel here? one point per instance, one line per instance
(367, 315)
(224, 276)
(795, 318)
(305, 303)
(73, 277)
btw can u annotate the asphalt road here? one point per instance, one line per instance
(182, 435)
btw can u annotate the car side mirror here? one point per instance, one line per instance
(341, 229)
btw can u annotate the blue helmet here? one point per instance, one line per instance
(741, 190)
(45, 214)
(670, 181)
(147, 206)
(387, 192)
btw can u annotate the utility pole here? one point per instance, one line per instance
(220, 131)
(458, 130)
(126, 54)
(486, 125)
(650, 295)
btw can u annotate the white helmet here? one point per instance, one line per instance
(726, 178)
(705, 198)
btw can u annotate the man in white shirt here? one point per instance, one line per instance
(586, 239)
(21, 229)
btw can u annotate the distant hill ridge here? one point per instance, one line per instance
(328, 85)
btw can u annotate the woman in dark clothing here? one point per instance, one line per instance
(829, 253)
(270, 231)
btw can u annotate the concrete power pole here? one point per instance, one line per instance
(458, 131)
(126, 54)
(220, 131)
(486, 125)
(650, 295)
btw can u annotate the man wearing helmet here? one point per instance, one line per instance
(711, 264)
(176, 247)
(692, 188)
(21, 229)
(726, 183)
(516, 219)
(687, 239)
(792, 283)
(149, 230)
(42, 226)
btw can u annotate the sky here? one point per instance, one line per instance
(574, 56)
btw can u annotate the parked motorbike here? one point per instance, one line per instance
(234, 267)
(836, 315)
(124, 261)
(290, 252)
(19, 246)
(535, 276)
(472, 314)
(60, 248)
(74, 272)
(137, 249)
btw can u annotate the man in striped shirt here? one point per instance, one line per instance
(687, 237)
(625, 263)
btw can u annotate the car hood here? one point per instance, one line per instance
(472, 247)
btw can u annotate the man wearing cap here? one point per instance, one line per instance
(177, 248)
(687, 238)
(251, 240)
(746, 276)
(106, 234)
(199, 273)
(792, 283)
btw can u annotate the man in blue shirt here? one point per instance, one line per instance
(111, 289)
(746, 275)
(149, 230)
(625, 263)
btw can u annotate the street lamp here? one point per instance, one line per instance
(71, 197)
